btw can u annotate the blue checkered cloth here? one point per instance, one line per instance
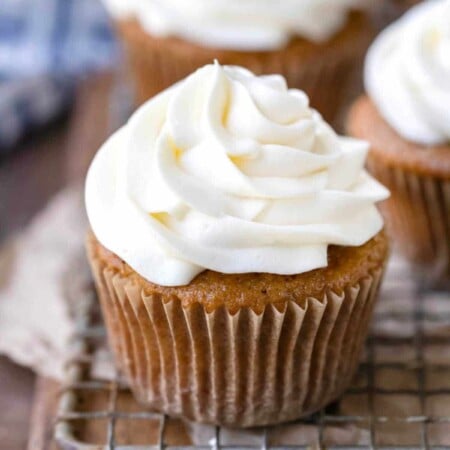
(45, 46)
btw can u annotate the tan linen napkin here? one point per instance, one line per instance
(37, 269)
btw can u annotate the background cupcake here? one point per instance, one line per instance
(316, 44)
(405, 4)
(237, 250)
(406, 118)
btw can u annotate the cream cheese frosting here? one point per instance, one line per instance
(407, 73)
(239, 24)
(230, 172)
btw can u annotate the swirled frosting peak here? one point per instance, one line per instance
(230, 172)
(239, 24)
(407, 73)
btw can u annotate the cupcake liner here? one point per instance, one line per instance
(418, 217)
(243, 369)
(327, 76)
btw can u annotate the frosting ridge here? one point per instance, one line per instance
(407, 73)
(239, 24)
(230, 172)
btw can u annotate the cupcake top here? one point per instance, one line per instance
(246, 25)
(407, 74)
(230, 172)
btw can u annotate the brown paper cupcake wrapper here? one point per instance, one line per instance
(243, 369)
(418, 217)
(329, 79)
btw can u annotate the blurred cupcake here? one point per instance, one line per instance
(237, 250)
(317, 45)
(404, 5)
(393, 10)
(406, 119)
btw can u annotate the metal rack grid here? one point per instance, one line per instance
(399, 399)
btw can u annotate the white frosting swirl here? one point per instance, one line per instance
(407, 73)
(239, 24)
(230, 172)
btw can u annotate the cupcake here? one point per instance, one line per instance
(404, 5)
(236, 248)
(394, 9)
(406, 119)
(318, 45)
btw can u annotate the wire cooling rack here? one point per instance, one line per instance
(400, 397)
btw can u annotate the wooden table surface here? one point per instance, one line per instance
(29, 176)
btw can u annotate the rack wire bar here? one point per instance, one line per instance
(400, 398)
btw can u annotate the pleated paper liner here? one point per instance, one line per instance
(418, 218)
(240, 370)
(325, 73)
